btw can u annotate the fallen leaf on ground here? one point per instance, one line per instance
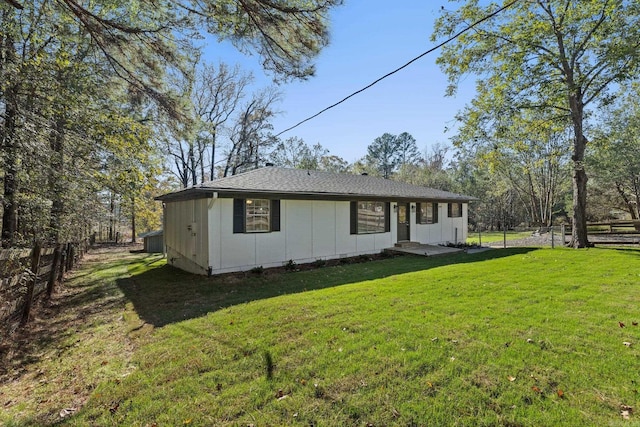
(511, 378)
(621, 324)
(536, 389)
(626, 411)
(560, 393)
(66, 412)
(627, 343)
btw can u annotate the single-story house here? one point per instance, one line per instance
(153, 241)
(269, 216)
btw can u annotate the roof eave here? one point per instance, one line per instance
(210, 192)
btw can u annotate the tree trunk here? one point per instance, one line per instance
(112, 213)
(9, 203)
(133, 219)
(31, 284)
(579, 238)
(10, 151)
(213, 155)
(53, 274)
(192, 165)
(631, 206)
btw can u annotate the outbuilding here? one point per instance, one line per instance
(270, 216)
(153, 241)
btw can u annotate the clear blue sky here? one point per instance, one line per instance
(368, 39)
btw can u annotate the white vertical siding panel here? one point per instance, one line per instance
(382, 241)
(298, 229)
(202, 232)
(186, 234)
(465, 221)
(323, 229)
(214, 234)
(365, 243)
(271, 247)
(346, 243)
(443, 225)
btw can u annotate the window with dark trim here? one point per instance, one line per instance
(369, 217)
(427, 213)
(454, 210)
(256, 215)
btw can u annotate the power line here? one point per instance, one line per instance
(450, 39)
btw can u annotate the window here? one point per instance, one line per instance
(455, 210)
(256, 215)
(370, 217)
(427, 213)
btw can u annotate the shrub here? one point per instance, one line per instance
(291, 265)
(257, 270)
(320, 263)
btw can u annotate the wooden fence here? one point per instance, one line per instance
(26, 274)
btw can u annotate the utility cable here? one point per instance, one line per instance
(449, 40)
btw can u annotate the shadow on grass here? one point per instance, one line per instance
(163, 295)
(629, 250)
(83, 298)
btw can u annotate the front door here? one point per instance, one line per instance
(403, 221)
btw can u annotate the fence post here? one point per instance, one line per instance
(53, 274)
(63, 262)
(31, 283)
(504, 237)
(70, 254)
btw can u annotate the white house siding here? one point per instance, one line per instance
(449, 226)
(444, 231)
(186, 237)
(310, 230)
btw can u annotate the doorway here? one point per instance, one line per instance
(403, 222)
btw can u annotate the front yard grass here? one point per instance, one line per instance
(514, 337)
(496, 236)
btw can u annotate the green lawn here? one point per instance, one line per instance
(496, 236)
(515, 337)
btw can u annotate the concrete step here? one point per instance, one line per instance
(407, 244)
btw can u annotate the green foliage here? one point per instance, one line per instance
(614, 159)
(388, 152)
(295, 153)
(560, 57)
(291, 265)
(82, 82)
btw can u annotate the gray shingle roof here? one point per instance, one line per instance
(312, 184)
